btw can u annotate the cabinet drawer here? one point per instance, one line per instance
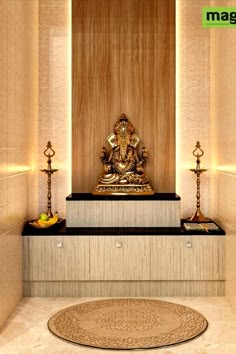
(119, 258)
(187, 258)
(56, 258)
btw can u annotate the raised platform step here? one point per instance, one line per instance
(158, 210)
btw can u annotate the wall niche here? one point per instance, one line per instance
(123, 61)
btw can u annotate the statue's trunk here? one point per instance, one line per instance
(124, 142)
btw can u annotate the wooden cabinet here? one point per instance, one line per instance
(123, 258)
(124, 265)
(187, 258)
(120, 257)
(56, 258)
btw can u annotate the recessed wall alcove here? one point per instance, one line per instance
(123, 62)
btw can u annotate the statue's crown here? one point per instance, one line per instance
(123, 117)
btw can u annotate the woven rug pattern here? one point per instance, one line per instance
(127, 323)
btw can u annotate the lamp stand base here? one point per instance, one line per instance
(198, 217)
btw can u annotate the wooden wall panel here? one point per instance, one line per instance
(123, 62)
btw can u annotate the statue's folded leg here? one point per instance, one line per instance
(109, 178)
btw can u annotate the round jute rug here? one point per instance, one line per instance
(127, 324)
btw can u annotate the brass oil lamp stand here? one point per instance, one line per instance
(198, 152)
(49, 153)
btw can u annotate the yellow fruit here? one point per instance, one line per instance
(49, 222)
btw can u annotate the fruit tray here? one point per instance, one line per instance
(38, 225)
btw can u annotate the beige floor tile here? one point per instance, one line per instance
(26, 331)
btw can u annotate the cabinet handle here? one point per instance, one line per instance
(59, 244)
(189, 244)
(119, 245)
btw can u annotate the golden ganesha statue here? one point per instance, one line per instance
(123, 166)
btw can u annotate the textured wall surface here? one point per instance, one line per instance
(18, 140)
(227, 218)
(54, 99)
(193, 104)
(223, 92)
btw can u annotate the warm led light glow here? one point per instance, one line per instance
(70, 97)
(227, 168)
(183, 164)
(177, 98)
(60, 165)
(14, 169)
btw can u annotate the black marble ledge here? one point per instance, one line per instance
(155, 196)
(62, 230)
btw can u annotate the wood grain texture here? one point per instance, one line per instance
(124, 288)
(123, 59)
(171, 259)
(120, 258)
(141, 213)
(46, 261)
(115, 258)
